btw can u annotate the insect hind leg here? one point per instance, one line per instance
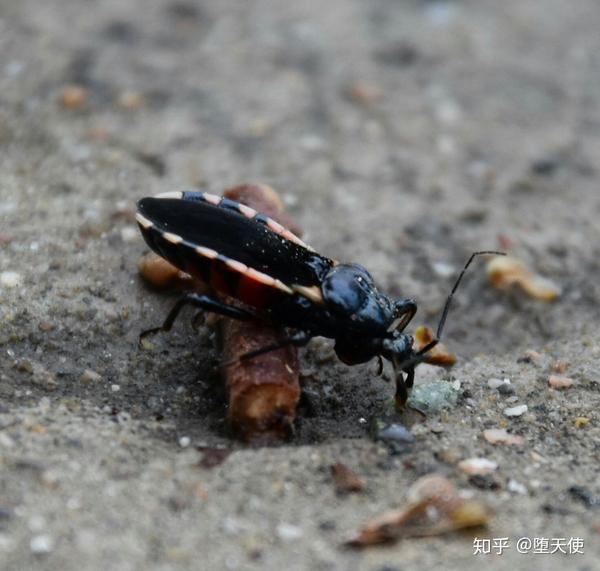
(204, 302)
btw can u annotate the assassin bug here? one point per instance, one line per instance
(281, 280)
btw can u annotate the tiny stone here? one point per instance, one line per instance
(531, 356)
(485, 482)
(478, 466)
(516, 487)
(6, 441)
(185, 441)
(44, 378)
(559, 367)
(10, 279)
(506, 389)
(129, 234)
(287, 532)
(443, 269)
(437, 428)
(559, 382)
(230, 526)
(25, 366)
(500, 436)
(41, 544)
(497, 383)
(395, 433)
(515, 410)
(115, 388)
(434, 396)
(89, 376)
(46, 326)
(130, 101)
(73, 96)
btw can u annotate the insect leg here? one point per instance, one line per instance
(204, 302)
(403, 384)
(410, 377)
(442, 322)
(404, 311)
(401, 395)
(298, 339)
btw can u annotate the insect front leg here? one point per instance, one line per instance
(205, 302)
(403, 385)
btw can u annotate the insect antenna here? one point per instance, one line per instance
(442, 322)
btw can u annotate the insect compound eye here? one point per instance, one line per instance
(346, 288)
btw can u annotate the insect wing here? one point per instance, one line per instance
(224, 246)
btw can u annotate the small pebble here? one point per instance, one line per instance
(516, 410)
(485, 482)
(478, 466)
(43, 378)
(434, 396)
(345, 480)
(185, 441)
(365, 93)
(559, 382)
(73, 96)
(89, 376)
(129, 234)
(443, 269)
(288, 532)
(585, 496)
(115, 388)
(516, 487)
(531, 356)
(506, 389)
(10, 279)
(500, 436)
(395, 433)
(46, 326)
(130, 101)
(41, 544)
(560, 367)
(6, 441)
(497, 383)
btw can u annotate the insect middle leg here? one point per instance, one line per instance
(205, 302)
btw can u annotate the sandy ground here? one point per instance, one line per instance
(474, 125)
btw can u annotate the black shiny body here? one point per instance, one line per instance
(280, 280)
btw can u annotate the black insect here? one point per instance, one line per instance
(280, 280)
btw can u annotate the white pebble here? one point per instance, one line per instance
(129, 234)
(41, 544)
(185, 441)
(443, 269)
(288, 532)
(515, 410)
(516, 487)
(89, 376)
(478, 466)
(115, 388)
(10, 279)
(6, 441)
(495, 383)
